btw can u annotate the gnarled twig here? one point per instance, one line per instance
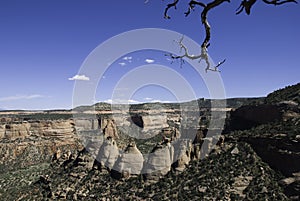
(202, 56)
(174, 4)
(247, 5)
(192, 5)
(279, 2)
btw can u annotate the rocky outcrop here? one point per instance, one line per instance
(129, 163)
(110, 129)
(154, 122)
(137, 120)
(142, 124)
(46, 128)
(108, 154)
(55, 129)
(159, 160)
(15, 130)
(32, 142)
(83, 124)
(182, 154)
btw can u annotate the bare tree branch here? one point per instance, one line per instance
(245, 5)
(279, 2)
(204, 20)
(202, 56)
(216, 68)
(205, 44)
(206, 9)
(192, 5)
(174, 4)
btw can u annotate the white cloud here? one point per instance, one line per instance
(20, 97)
(122, 64)
(119, 101)
(151, 100)
(149, 61)
(80, 77)
(159, 101)
(127, 58)
(133, 101)
(108, 101)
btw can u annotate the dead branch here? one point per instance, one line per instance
(245, 5)
(279, 2)
(174, 4)
(192, 5)
(216, 68)
(202, 56)
(205, 43)
(204, 20)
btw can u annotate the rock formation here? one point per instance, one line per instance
(130, 162)
(84, 124)
(159, 160)
(15, 130)
(36, 141)
(110, 129)
(108, 154)
(182, 154)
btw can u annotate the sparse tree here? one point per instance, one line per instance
(245, 5)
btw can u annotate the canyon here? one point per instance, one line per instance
(68, 154)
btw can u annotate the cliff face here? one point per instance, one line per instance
(28, 143)
(32, 141)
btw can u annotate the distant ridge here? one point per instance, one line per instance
(289, 93)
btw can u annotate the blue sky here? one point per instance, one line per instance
(44, 43)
